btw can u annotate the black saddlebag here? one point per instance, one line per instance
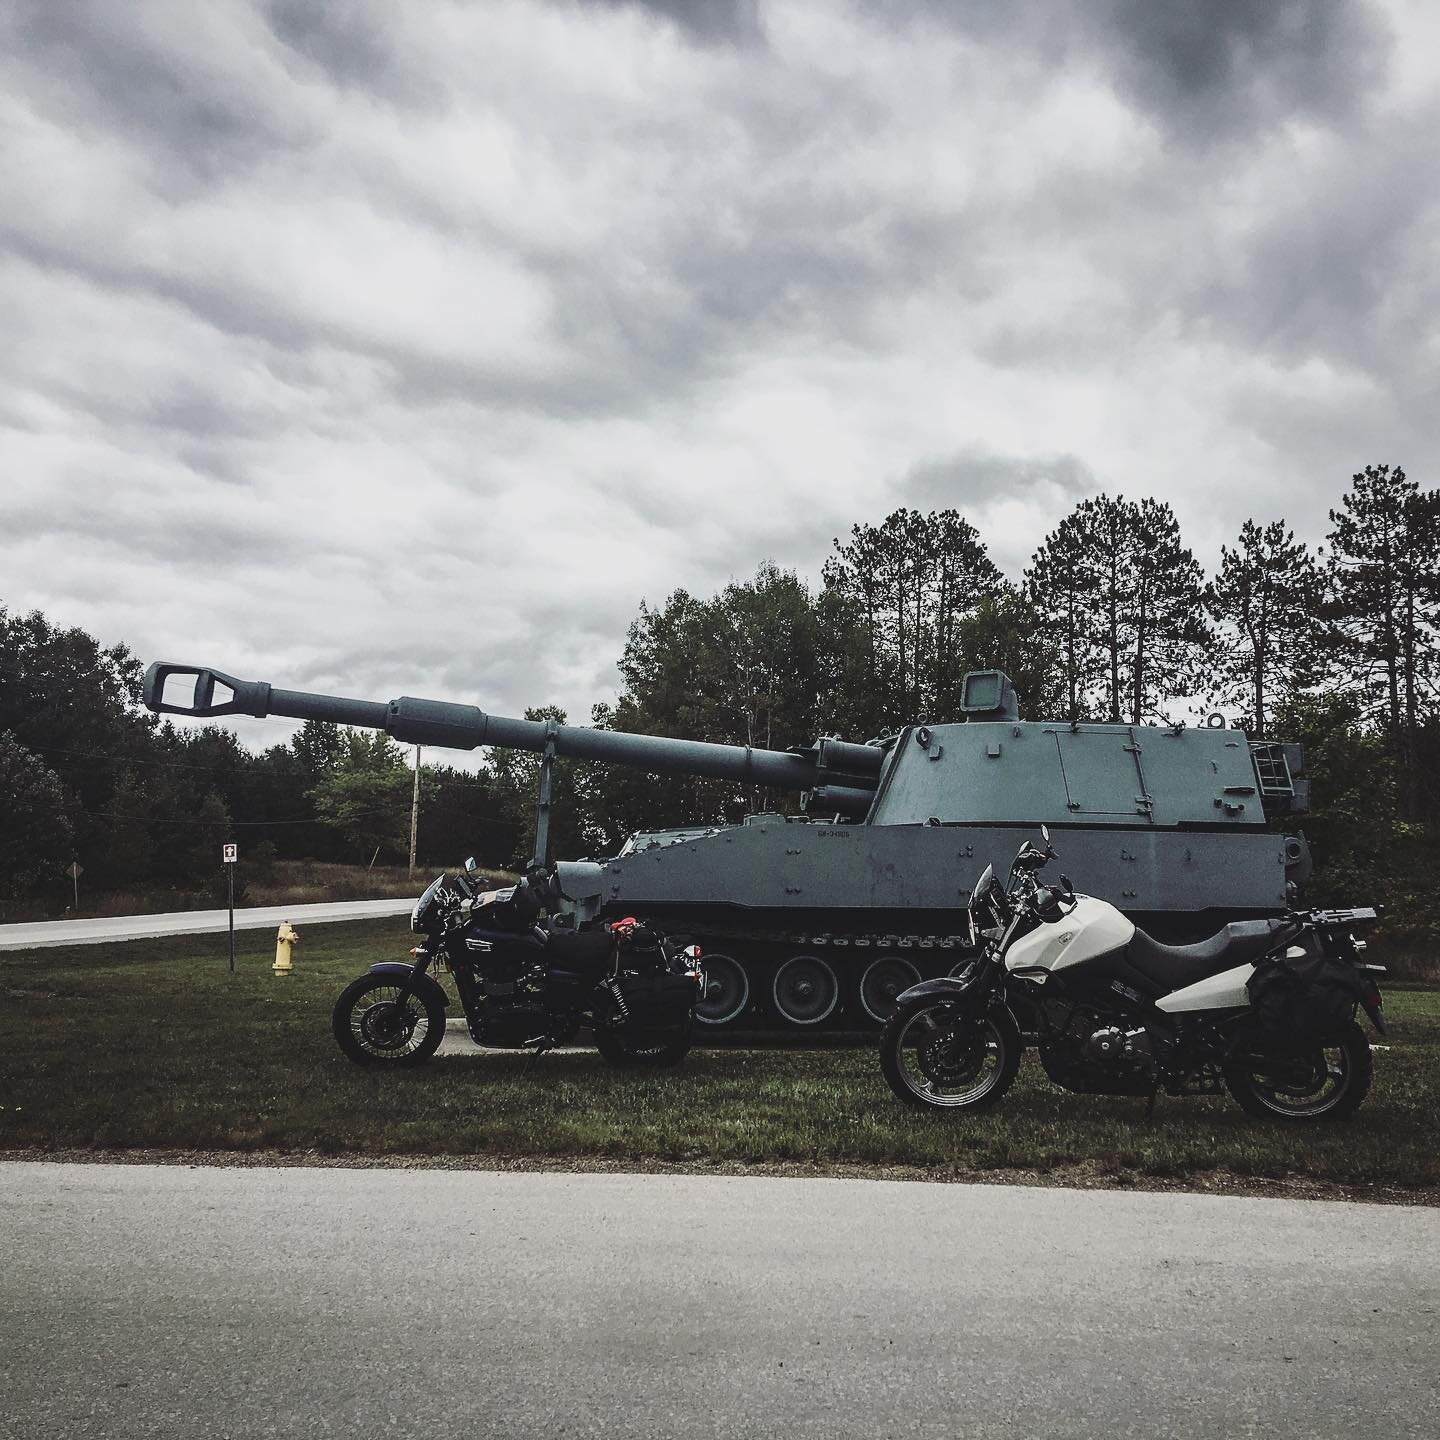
(1302, 1001)
(653, 1002)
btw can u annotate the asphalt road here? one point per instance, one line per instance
(152, 1300)
(43, 933)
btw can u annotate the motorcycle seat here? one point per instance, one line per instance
(1176, 966)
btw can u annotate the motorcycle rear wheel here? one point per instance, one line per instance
(373, 1029)
(934, 1057)
(1339, 1080)
(647, 1049)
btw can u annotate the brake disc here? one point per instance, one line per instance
(953, 1057)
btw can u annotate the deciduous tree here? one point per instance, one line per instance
(35, 837)
(366, 794)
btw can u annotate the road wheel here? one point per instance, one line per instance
(882, 984)
(805, 990)
(646, 1049)
(727, 989)
(1327, 1083)
(373, 1027)
(936, 1056)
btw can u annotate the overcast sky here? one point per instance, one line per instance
(406, 348)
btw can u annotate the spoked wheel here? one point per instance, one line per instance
(1327, 1083)
(935, 1056)
(649, 1049)
(373, 1026)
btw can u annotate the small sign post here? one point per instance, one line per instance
(75, 871)
(229, 854)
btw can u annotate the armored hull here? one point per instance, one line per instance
(812, 922)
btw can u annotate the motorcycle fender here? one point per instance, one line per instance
(944, 987)
(1372, 1005)
(402, 974)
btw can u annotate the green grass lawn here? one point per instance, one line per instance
(154, 1045)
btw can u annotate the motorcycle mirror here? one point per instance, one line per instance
(471, 868)
(1065, 885)
(1045, 833)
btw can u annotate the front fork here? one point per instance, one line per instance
(424, 957)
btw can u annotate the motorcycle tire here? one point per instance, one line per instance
(377, 1034)
(645, 1051)
(978, 1075)
(1349, 1068)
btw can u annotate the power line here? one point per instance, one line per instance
(237, 824)
(130, 760)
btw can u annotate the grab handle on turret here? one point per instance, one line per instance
(194, 694)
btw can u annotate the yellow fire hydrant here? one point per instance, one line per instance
(285, 939)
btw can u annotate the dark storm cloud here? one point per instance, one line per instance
(1313, 271)
(707, 21)
(106, 73)
(192, 537)
(360, 46)
(1205, 71)
(1228, 66)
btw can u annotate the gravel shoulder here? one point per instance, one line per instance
(1070, 1177)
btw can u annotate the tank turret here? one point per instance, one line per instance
(822, 918)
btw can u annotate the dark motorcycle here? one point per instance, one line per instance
(523, 984)
(1264, 1009)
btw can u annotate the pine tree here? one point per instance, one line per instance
(1384, 576)
(910, 582)
(1267, 601)
(1060, 582)
(1131, 606)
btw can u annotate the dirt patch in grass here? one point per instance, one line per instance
(153, 1050)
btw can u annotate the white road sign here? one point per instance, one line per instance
(229, 853)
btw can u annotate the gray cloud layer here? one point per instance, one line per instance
(392, 348)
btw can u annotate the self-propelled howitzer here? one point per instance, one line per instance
(821, 919)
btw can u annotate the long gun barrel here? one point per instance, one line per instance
(848, 772)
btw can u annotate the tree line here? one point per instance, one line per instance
(1112, 619)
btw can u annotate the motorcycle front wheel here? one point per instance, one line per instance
(936, 1057)
(1327, 1083)
(373, 1027)
(650, 1050)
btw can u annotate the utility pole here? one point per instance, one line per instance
(415, 810)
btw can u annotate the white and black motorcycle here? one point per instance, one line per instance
(1264, 1009)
